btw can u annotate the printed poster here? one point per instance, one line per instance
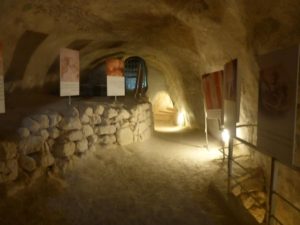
(2, 96)
(69, 72)
(277, 110)
(213, 94)
(115, 77)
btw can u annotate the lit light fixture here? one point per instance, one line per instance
(225, 135)
(180, 119)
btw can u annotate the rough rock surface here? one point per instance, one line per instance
(31, 144)
(8, 150)
(43, 120)
(125, 136)
(23, 132)
(182, 39)
(107, 186)
(82, 146)
(71, 123)
(27, 163)
(56, 142)
(65, 150)
(76, 135)
(54, 119)
(31, 124)
(110, 129)
(87, 130)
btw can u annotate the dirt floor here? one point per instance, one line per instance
(165, 180)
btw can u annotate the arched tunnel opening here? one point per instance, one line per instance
(149, 112)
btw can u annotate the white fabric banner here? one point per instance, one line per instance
(69, 72)
(115, 86)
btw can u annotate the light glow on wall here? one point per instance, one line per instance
(180, 119)
(225, 135)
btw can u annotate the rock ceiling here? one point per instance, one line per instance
(183, 39)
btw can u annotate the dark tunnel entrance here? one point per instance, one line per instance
(93, 82)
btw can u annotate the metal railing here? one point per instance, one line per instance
(271, 191)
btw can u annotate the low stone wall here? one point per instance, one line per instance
(49, 140)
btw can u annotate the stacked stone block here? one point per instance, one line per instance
(50, 140)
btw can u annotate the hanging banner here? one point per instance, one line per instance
(2, 95)
(230, 116)
(69, 72)
(115, 77)
(212, 91)
(277, 110)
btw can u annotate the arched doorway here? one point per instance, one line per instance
(163, 108)
(136, 82)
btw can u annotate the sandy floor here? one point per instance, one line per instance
(164, 180)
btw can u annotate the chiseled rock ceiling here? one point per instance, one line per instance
(181, 38)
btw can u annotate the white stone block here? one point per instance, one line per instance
(96, 119)
(85, 119)
(23, 132)
(46, 160)
(87, 130)
(75, 135)
(8, 150)
(93, 139)
(27, 163)
(146, 106)
(44, 133)
(111, 113)
(64, 150)
(31, 144)
(43, 120)
(108, 139)
(87, 111)
(124, 136)
(110, 129)
(31, 124)
(99, 109)
(54, 119)
(82, 146)
(72, 123)
(123, 115)
(142, 127)
(54, 132)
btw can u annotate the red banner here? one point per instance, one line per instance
(114, 67)
(212, 91)
(2, 97)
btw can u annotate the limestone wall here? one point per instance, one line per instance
(49, 140)
(286, 178)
